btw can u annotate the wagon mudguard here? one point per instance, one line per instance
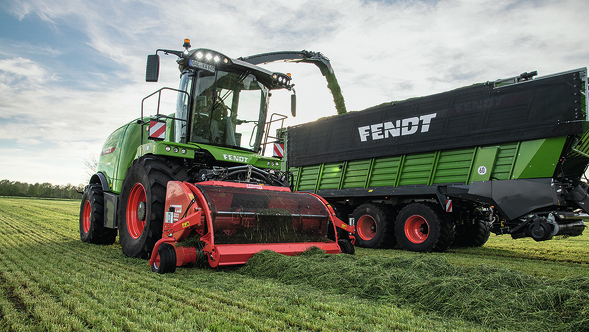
(514, 198)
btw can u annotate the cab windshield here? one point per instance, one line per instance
(227, 109)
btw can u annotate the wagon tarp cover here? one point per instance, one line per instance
(480, 114)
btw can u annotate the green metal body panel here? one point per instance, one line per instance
(221, 154)
(118, 153)
(518, 160)
(123, 146)
(538, 158)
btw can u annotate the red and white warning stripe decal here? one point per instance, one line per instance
(278, 150)
(157, 129)
(448, 205)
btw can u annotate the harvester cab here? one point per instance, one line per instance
(221, 101)
(193, 182)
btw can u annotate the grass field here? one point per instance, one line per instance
(51, 281)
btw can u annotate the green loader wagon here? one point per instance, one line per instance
(506, 156)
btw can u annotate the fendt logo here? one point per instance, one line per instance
(401, 127)
(232, 157)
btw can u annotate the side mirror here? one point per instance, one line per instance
(293, 105)
(152, 70)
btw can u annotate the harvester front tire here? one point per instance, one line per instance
(472, 235)
(372, 222)
(141, 209)
(421, 227)
(92, 228)
(165, 261)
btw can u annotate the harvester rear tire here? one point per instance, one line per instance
(422, 227)
(166, 260)
(472, 235)
(372, 222)
(92, 228)
(141, 209)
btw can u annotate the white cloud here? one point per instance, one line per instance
(17, 69)
(380, 50)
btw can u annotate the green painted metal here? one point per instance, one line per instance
(385, 171)
(308, 177)
(370, 169)
(454, 166)
(118, 153)
(483, 164)
(417, 168)
(123, 146)
(295, 172)
(433, 171)
(538, 158)
(515, 160)
(513, 164)
(356, 174)
(344, 169)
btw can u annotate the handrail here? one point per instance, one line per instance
(158, 115)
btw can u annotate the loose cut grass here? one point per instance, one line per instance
(51, 281)
(336, 92)
(491, 296)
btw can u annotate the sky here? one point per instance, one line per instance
(72, 71)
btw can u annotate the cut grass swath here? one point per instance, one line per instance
(51, 281)
(490, 296)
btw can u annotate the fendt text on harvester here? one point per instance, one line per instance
(194, 182)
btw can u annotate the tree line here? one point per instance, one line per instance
(45, 190)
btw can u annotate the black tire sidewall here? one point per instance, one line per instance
(472, 235)
(167, 263)
(138, 247)
(97, 233)
(138, 174)
(379, 214)
(346, 246)
(433, 220)
(153, 173)
(88, 196)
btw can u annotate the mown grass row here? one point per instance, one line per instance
(50, 281)
(491, 296)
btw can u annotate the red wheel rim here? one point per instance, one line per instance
(86, 217)
(366, 227)
(135, 224)
(156, 262)
(416, 229)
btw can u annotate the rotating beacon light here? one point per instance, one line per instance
(186, 45)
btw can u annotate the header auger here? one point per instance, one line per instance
(193, 182)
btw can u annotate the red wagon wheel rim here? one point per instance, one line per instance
(136, 207)
(366, 227)
(416, 229)
(86, 217)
